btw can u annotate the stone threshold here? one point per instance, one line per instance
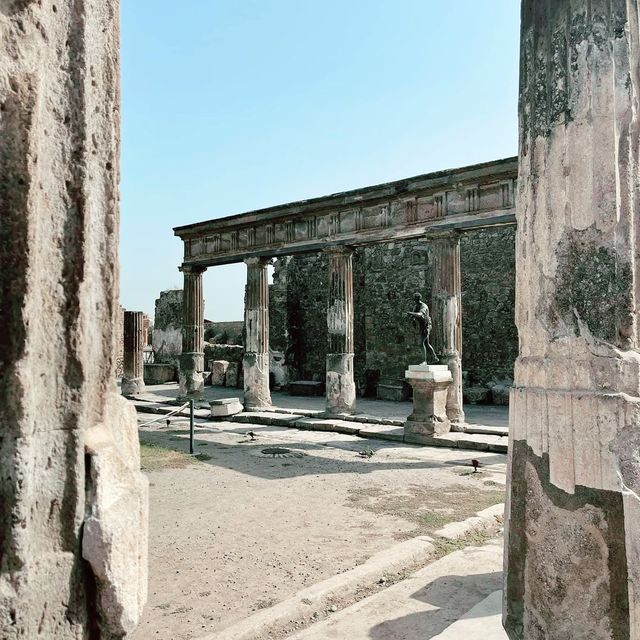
(474, 438)
(453, 440)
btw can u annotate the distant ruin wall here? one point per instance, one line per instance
(385, 277)
(167, 327)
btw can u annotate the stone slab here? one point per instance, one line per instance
(267, 418)
(381, 432)
(336, 426)
(221, 410)
(219, 401)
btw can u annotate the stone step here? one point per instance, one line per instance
(454, 598)
(456, 440)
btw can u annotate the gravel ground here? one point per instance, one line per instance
(236, 529)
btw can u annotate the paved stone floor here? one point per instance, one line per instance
(488, 415)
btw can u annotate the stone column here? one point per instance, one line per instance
(341, 388)
(447, 323)
(192, 357)
(73, 502)
(132, 379)
(256, 320)
(572, 567)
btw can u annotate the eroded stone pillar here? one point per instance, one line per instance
(341, 388)
(572, 566)
(256, 317)
(73, 502)
(447, 322)
(192, 357)
(134, 341)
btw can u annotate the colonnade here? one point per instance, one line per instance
(340, 382)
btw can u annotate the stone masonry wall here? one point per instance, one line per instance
(489, 334)
(167, 327)
(385, 278)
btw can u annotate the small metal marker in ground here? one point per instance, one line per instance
(281, 452)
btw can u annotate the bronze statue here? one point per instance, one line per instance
(421, 314)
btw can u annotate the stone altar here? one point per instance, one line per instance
(430, 384)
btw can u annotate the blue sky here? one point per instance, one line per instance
(232, 105)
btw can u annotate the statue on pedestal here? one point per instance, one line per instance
(421, 315)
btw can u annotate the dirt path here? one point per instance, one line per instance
(238, 529)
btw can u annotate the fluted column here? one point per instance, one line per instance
(572, 538)
(446, 307)
(192, 358)
(341, 388)
(132, 379)
(256, 319)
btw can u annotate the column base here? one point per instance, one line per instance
(256, 380)
(132, 386)
(455, 411)
(430, 387)
(191, 378)
(340, 386)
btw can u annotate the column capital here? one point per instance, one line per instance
(194, 269)
(451, 235)
(258, 261)
(344, 250)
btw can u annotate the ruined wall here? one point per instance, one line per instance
(489, 334)
(73, 503)
(385, 277)
(167, 327)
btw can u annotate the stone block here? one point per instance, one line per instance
(233, 375)
(306, 388)
(218, 372)
(225, 407)
(159, 373)
(394, 392)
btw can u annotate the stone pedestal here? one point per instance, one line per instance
(340, 383)
(133, 376)
(256, 318)
(430, 384)
(446, 307)
(192, 358)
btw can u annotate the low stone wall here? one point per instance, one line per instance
(159, 373)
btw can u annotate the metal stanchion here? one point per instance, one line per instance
(191, 426)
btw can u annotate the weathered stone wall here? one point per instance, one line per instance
(73, 521)
(385, 277)
(489, 334)
(167, 327)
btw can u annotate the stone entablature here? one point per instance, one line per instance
(468, 198)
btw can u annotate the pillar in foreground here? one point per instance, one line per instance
(572, 566)
(134, 338)
(256, 317)
(447, 323)
(73, 502)
(192, 357)
(340, 386)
